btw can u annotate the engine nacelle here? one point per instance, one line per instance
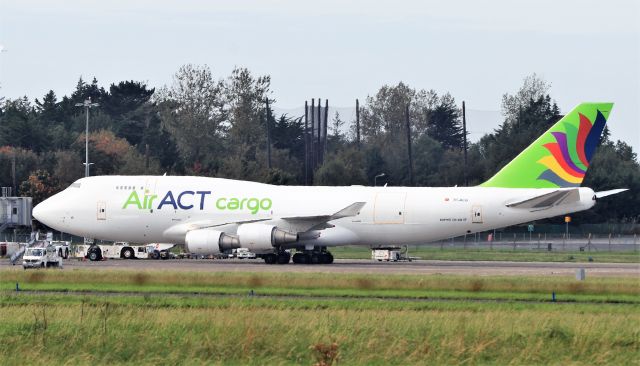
(205, 241)
(260, 238)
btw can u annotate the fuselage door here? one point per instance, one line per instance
(389, 208)
(150, 187)
(476, 214)
(149, 197)
(102, 210)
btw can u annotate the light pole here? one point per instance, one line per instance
(87, 104)
(375, 179)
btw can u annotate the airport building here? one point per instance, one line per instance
(14, 211)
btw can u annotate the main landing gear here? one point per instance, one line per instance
(313, 257)
(302, 256)
(281, 257)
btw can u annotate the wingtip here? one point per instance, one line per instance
(351, 210)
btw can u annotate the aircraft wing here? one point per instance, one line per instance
(305, 223)
(297, 224)
(547, 200)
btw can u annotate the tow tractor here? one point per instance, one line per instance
(62, 247)
(124, 250)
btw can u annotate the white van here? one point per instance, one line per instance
(41, 257)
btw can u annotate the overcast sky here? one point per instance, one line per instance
(588, 50)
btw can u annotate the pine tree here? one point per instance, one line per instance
(445, 125)
(336, 125)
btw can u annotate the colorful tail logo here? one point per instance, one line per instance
(572, 152)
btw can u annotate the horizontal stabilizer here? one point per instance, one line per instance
(547, 200)
(610, 192)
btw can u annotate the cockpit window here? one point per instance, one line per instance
(75, 185)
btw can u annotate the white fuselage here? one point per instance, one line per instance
(165, 208)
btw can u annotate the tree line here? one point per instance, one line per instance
(208, 126)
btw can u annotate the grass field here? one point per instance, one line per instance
(358, 319)
(485, 254)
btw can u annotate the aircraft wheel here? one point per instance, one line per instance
(299, 258)
(94, 255)
(127, 253)
(315, 258)
(328, 258)
(283, 258)
(270, 258)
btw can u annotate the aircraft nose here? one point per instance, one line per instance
(46, 213)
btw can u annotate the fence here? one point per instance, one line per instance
(542, 241)
(577, 240)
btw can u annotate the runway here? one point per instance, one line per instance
(426, 267)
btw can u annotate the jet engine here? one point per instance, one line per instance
(205, 241)
(260, 238)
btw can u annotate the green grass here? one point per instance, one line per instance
(485, 254)
(323, 283)
(154, 330)
(605, 289)
(364, 319)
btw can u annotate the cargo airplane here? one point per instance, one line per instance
(212, 215)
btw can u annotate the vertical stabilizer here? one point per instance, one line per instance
(561, 156)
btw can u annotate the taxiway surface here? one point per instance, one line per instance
(481, 268)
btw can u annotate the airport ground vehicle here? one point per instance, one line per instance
(63, 248)
(385, 254)
(391, 254)
(124, 250)
(41, 256)
(244, 253)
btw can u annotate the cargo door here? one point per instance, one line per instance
(102, 210)
(389, 208)
(476, 214)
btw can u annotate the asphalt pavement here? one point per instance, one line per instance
(480, 268)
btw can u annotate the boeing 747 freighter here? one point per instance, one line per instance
(212, 215)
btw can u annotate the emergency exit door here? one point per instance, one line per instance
(102, 210)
